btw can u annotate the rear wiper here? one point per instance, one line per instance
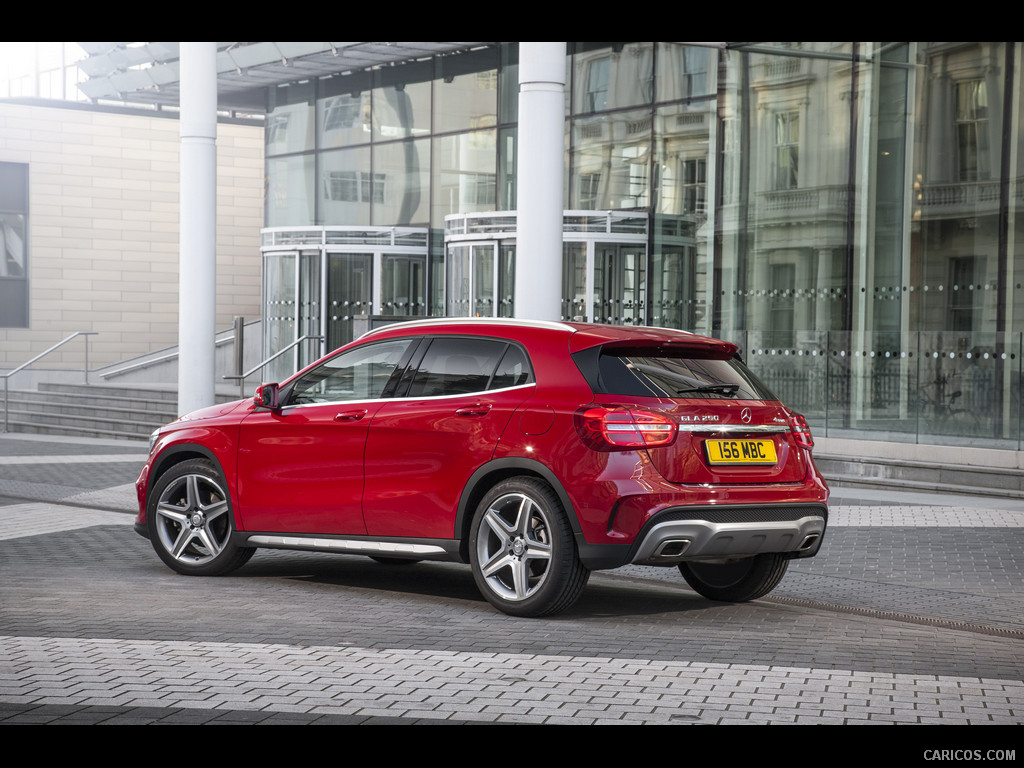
(729, 390)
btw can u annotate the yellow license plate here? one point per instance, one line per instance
(741, 452)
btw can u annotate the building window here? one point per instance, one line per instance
(961, 293)
(597, 84)
(354, 186)
(787, 149)
(972, 131)
(13, 245)
(277, 128)
(590, 189)
(342, 112)
(782, 278)
(729, 184)
(693, 186)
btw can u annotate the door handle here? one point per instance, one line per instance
(477, 409)
(350, 415)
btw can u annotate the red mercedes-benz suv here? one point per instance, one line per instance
(535, 451)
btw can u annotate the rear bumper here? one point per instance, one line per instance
(678, 534)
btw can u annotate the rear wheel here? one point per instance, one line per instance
(736, 581)
(190, 521)
(522, 550)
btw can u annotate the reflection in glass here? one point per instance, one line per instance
(290, 191)
(12, 245)
(620, 284)
(347, 187)
(279, 313)
(465, 100)
(457, 285)
(785, 142)
(612, 75)
(483, 280)
(685, 71)
(574, 281)
(290, 118)
(344, 119)
(464, 175)
(611, 161)
(349, 293)
(400, 109)
(402, 179)
(403, 289)
(506, 279)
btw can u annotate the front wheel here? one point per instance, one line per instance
(737, 581)
(522, 550)
(191, 522)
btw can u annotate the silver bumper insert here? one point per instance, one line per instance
(678, 540)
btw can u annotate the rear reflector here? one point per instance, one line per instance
(610, 429)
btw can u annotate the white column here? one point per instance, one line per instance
(197, 297)
(539, 177)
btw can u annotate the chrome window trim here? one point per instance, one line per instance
(481, 393)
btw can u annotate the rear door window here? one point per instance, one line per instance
(459, 366)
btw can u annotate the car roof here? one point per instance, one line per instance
(579, 336)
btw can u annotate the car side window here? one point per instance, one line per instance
(359, 374)
(458, 366)
(513, 370)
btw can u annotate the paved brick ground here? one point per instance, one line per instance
(912, 613)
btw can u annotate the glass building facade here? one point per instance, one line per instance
(846, 212)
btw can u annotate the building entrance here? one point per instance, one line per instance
(319, 280)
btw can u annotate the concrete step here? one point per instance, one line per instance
(941, 477)
(103, 406)
(103, 411)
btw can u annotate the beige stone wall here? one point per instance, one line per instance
(103, 230)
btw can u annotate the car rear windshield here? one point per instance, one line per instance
(656, 373)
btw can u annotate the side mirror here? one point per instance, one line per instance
(266, 397)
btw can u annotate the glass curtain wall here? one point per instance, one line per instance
(848, 212)
(866, 257)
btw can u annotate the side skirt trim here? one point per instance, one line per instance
(423, 549)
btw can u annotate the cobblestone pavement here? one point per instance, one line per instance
(913, 612)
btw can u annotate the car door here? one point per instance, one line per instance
(300, 468)
(422, 448)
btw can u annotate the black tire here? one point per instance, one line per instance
(191, 520)
(394, 560)
(523, 552)
(738, 581)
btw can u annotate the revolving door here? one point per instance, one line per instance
(318, 280)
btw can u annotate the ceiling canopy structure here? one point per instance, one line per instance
(149, 72)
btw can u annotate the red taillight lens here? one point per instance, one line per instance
(610, 429)
(801, 432)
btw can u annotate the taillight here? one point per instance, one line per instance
(611, 429)
(801, 432)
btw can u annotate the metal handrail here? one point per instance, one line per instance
(149, 362)
(6, 376)
(242, 377)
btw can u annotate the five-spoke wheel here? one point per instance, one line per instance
(190, 521)
(522, 550)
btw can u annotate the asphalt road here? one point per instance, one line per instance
(913, 612)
